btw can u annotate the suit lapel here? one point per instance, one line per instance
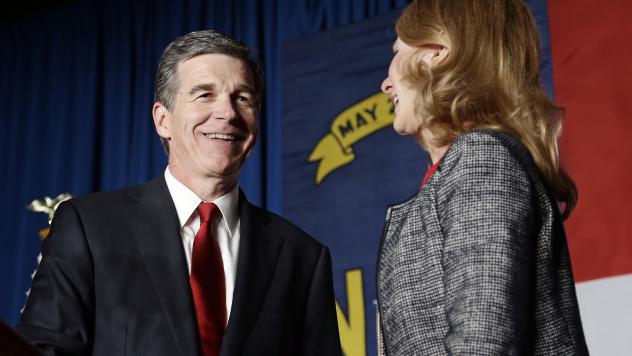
(258, 254)
(160, 244)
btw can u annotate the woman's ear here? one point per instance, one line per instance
(434, 55)
(440, 55)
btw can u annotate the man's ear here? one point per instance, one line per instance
(161, 120)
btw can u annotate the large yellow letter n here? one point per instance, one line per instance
(352, 328)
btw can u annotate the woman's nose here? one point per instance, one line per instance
(387, 86)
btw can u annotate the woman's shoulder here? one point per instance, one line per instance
(491, 142)
(486, 147)
(486, 158)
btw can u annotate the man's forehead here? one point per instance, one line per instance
(215, 67)
(215, 60)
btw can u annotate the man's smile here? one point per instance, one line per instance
(222, 136)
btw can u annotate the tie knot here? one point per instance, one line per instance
(206, 211)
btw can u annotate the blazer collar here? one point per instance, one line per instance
(160, 245)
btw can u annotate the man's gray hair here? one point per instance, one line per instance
(194, 44)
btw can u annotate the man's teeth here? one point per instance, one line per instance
(221, 136)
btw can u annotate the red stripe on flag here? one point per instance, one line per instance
(591, 47)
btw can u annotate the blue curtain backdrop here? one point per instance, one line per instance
(76, 94)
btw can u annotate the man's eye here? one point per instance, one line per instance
(244, 99)
(205, 96)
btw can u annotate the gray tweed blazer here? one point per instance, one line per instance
(476, 263)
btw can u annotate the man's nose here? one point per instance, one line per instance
(387, 86)
(226, 107)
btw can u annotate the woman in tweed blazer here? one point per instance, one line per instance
(476, 263)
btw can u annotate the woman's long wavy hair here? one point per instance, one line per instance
(490, 79)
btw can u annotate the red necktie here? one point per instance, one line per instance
(208, 283)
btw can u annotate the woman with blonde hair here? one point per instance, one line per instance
(476, 263)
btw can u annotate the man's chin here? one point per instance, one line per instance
(227, 171)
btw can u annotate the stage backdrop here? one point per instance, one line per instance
(76, 95)
(343, 164)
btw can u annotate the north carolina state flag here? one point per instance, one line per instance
(591, 48)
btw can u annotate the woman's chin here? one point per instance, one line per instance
(402, 131)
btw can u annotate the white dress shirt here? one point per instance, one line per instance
(227, 230)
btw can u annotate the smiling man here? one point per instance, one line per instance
(184, 264)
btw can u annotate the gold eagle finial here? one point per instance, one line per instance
(48, 205)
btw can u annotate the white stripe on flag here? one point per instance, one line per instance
(606, 309)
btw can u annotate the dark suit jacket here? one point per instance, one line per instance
(113, 280)
(476, 263)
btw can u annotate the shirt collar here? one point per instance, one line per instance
(186, 202)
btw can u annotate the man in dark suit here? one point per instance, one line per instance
(184, 264)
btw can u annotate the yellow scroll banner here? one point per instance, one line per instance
(352, 125)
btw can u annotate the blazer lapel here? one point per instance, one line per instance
(396, 216)
(258, 254)
(159, 243)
